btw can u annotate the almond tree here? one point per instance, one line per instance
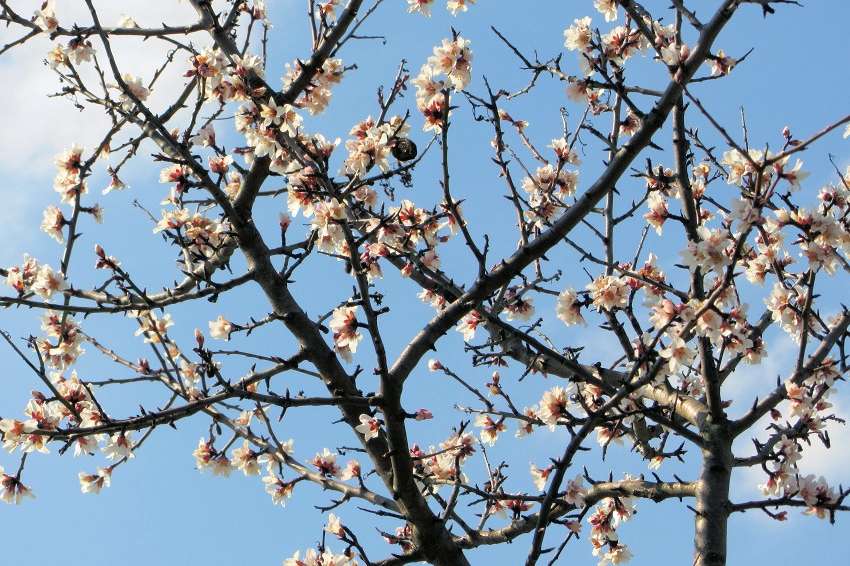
(683, 315)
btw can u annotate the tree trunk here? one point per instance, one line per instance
(713, 499)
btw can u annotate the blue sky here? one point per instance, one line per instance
(159, 507)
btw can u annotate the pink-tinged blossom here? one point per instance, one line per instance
(47, 283)
(721, 64)
(609, 292)
(221, 466)
(430, 259)
(46, 18)
(678, 355)
(12, 490)
(711, 252)
(136, 87)
(92, 483)
(53, 223)
(56, 58)
(421, 6)
(423, 415)
(220, 165)
(793, 176)
(427, 87)
(434, 112)
(579, 35)
(325, 462)
(619, 554)
(205, 136)
(674, 55)
(175, 174)
(521, 309)
(540, 476)
(453, 60)
(97, 212)
(69, 164)
(564, 152)
(575, 490)
(352, 470)
(580, 93)
(115, 184)
(334, 527)
(313, 558)
(278, 489)
(69, 340)
(328, 9)
(657, 212)
(402, 538)
(606, 435)
(455, 6)
(607, 8)
(119, 446)
(153, 327)
(468, 325)
(344, 326)
(567, 308)
(526, 427)
(369, 426)
(364, 153)
(79, 50)
(490, 429)
(220, 328)
(547, 181)
(245, 459)
(553, 406)
(500, 507)
(85, 445)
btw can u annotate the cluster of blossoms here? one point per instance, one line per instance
(550, 186)
(618, 45)
(346, 336)
(63, 344)
(438, 466)
(30, 277)
(807, 399)
(12, 490)
(402, 537)
(317, 95)
(249, 461)
(452, 59)
(152, 326)
(134, 86)
(45, 416)
(603, 535)
(424, 6)
(265, 124)
(225, 79)
(371, 145)
(325, 463)
(68, 182)
(324, 558)
(200, 235)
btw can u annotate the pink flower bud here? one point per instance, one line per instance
(423, 415)
(285, 221)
